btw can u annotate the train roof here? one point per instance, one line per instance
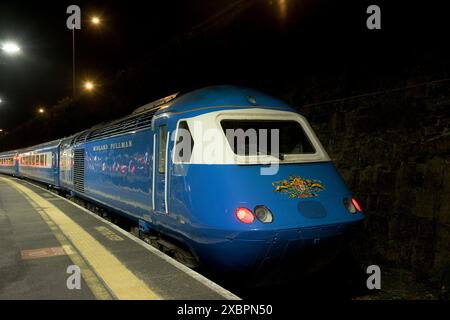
(210, 97)
(219, 96)
(8, 153)
(45, 145)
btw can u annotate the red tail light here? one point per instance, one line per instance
(245, 215)
(356, 204)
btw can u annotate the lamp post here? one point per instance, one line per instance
(95, 20)
(73, 63)
(11, 49)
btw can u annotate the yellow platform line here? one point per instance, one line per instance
(95, 285)
(121, 281)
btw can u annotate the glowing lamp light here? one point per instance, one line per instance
(245, 215)
(41, 110)
(356, 204)
(89, 85)
(95, 20)
(10, 48)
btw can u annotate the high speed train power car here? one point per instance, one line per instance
(258, 207)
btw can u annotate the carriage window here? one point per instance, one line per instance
(255, 137)
(162, 149)
(184, 143)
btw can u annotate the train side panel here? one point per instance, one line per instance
(118, 173)
(41, 163)
(8, 163)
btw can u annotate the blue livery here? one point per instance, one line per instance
(41, 163)
(237, 209)
(9, 163)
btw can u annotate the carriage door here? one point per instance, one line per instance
(16, 163)
(160, 168)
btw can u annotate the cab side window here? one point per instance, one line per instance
(184, 144)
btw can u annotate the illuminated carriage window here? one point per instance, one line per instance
(162, 149)
(184, 144)
(292, 138)
(6, 161)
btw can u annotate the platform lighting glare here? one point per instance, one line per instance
(10, 48)
(95, 20)
(41, 110)
(89, 85)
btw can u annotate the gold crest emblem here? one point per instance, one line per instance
(297, 187)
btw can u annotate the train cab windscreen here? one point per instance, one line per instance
(258, 137)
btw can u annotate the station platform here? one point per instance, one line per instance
(51, 248)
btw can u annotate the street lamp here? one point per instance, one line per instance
(10, 48)
(41, 110)
(95, 20)
(89, 86)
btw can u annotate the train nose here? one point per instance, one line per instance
(311, 209)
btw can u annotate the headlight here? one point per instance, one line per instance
(263, 214)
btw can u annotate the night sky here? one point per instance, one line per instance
(43, 73)
(263, 44)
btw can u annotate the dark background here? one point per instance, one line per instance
(143, 51)
(379, 99)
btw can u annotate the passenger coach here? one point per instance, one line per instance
(8, 163)
(40, 163)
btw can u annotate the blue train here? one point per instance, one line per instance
(242, 203)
